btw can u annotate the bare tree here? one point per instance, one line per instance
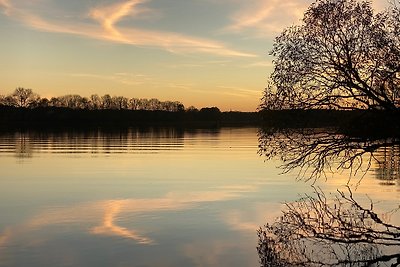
(106, 101)
(8, 100)
(95, 102)
(43, 102)
(342, 56)
(192, 109)
(134, 103)
(120, 102)
(73, 102)
(24, 97)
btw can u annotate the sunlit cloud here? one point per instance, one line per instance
(182, 86)
(6, 5)
(110, 15)
(267, 17)
(103, 26)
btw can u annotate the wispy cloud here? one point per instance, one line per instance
(122, 78)
(108, 16)
(6, 6)
(270, 17)
(267, 17)
(261, 64)
(237, 91)
(103, 25)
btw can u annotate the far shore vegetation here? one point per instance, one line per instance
(24, 108)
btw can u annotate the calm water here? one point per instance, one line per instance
(147, 197)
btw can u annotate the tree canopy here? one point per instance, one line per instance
(342, 56)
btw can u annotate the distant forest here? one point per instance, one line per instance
(24, 108)
(23, 97)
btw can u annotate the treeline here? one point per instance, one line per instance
(26, 98)
(24, 108)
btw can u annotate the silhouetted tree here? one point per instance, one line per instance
(43, 102)
(144, 104)
(178, 106)
(73, 101)
(172, 106)
(24, 97)
(120, 102)
(106, 101)
(316, 231)
(192, 109)
(8, 101)
(95, 102)
(154, 104)
(342, 56)
(134, 103)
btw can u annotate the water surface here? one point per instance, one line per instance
(149, 197)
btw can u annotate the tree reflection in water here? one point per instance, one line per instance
(315, 231)
(316, 153)
(319, 231)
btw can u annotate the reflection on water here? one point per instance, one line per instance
(116, 141)
(132, 197)
(326, 229)
(319, 153)
(387, 167)
(171, 197)
(317, 231)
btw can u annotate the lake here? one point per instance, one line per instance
(154, 197)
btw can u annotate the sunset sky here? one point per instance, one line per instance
(199, 52)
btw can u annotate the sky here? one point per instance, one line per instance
(202, 53)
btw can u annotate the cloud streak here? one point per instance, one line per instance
(103, 26)
(122, 78)
(108, 16)
(267, 17)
